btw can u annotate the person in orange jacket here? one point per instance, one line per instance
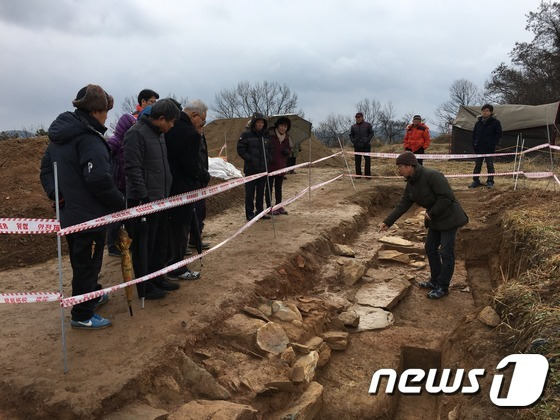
(417, 137)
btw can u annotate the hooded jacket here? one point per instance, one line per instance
(486, 135)
(429, 189)
(83, 163)
(115, 142)
(250, 147)
(148, 177)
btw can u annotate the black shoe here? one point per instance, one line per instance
(153, 293)
(427, 285)
(438, 293)
(250, 216)
(166, 285)
(265, 217)
(490, 185)
(205, 245)
(474, 184)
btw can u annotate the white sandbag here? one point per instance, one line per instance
(219, 168)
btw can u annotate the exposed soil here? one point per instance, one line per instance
(291, 258)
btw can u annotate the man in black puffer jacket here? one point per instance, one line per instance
(255, 148)
(148, 178)
(486, 135)
(86, 191)
(444, 215)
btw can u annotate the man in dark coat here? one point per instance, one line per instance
(255, 148)
(148, 178)
(486, 135)
(361, 134)
(189, 173)
(429, 188)
(86, 191)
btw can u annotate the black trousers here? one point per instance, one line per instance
(149, 244)
(200, 208)
(180, 223)
(478, 168)
(254, 194)
(367, 164)
(275, 183)
(86, 256)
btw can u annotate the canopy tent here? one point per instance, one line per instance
(536, 123)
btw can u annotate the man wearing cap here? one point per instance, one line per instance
(444, 215)
(361, 135)
(86, 192)
(417, 137)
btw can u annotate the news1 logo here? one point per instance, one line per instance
(526, 387)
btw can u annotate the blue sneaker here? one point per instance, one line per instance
(96, 322)
(102, 301)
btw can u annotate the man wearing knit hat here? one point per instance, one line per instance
(444, 215)
(86, 191)
(417, 137)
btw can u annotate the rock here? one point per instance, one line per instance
(336, 302)
(137, 410)
(337, 340)
(300, 348)
(352, 271)
(255, 313)
(265, 309)
(285, 386)
(272, 338)
(201, 382)
(307, 406)
(396, 240)
(214, 410)
(300, 261)
(380, 274)
(241, 328)
(372, 318)
(488, 316)
(314, 342)
(324, 354)
(285, 311)
(418, 264)
(304, 368)
(390, 255)
(382, 295)
(344, 251)
(349, 319)
(288, 356)
(455, 413)
(215, 366)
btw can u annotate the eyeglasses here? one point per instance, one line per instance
(203, 120)
(151, 101)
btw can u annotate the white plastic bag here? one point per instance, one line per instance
(219, 168)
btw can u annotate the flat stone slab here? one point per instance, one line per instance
(396, 240)
(383, 294)
(372, 318)
(391, 255)
(272, 338)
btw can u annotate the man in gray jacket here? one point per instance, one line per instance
(361, 135)
(429, 188)
(148, 178)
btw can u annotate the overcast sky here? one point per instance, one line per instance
(332, 54)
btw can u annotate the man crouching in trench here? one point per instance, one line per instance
(430, 189)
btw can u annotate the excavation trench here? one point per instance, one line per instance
(213, 354)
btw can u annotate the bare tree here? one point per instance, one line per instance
(461, 92)
(391, 129)
(268, 98)
(334, 127)
(371, 110)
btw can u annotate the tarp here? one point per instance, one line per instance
(535, 123)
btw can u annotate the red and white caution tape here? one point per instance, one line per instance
(74, 300)
(301, 165)
(557, 180)
(29, 297)
(15, 225)
(454, 156)
(163, 204)
(469, 175)
(554, 147)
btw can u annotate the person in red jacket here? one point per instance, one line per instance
(417, 137)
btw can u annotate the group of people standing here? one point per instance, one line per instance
(157, 151)
(486, 135)
(265, 150)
